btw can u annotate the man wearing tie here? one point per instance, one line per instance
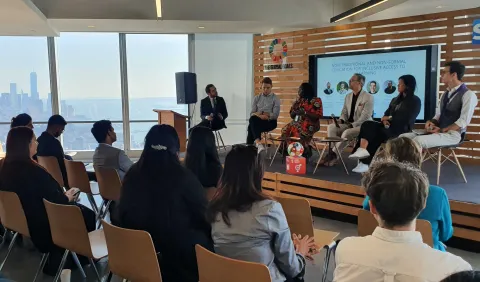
(213, 109)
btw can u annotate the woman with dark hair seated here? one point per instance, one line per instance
(22, 120)
(165, 199)
(248, 225)
(32, 184)
(398, 118)
(306, 112)
(437, 209)
(202, 158)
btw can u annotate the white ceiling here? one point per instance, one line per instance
(49, 17)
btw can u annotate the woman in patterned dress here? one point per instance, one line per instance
(306, 112)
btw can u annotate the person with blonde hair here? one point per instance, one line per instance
(437, 209)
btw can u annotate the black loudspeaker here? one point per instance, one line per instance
(186, 87)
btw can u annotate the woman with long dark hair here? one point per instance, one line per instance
(202, 158)
(164, 198)
(398, 118)
(22, 120)
(32, 184)
(248, 225)
(305, 112)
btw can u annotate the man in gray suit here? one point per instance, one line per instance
(105, 154)
(358, 107)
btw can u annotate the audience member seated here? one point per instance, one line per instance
(105, 154)
(463, 276)
(395, 251)
(454, 113)
(213, 110)
(202, 159)
(264, 114)
(306, 112)
(357, 108)
(50, 146)
(164, 198)
(32, 184)
(437, 210)
(22, 120)
(398, 118)
(248, 225)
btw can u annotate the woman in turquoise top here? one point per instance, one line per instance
(437, 209)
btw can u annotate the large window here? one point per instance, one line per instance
(89, 85)
(24, 80)
(152, 61)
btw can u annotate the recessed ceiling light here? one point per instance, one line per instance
(439, 7)
(91, 26)
(201, 27)
(387, 40)
(158, 4)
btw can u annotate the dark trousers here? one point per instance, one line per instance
(376, 134)
(256, 126)
(215, 124)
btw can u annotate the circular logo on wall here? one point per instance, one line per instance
(278, 56)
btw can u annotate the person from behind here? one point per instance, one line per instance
(305, 112)
(437, 210)
(213, 110)
(165, 199)
(454, 113)
(357, 108)
(398, 118)
(395, 251)
(105, 154)
(247, 225)
(22, 120)
(463, 276)
(21, 175)
(50, 146)
(264, 114)
(202, 159)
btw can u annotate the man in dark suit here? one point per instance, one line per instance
(328, 90)
(390, 88)
(213, 109)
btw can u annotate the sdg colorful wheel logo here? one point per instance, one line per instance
(275, 56)
(476, 32)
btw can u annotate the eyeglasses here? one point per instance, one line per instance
(352, 80)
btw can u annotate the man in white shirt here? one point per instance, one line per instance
(395, 252)
(357, 108)
(454, 113)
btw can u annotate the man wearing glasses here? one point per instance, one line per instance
(357, 108)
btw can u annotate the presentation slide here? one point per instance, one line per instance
(381, 71)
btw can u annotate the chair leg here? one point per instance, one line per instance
(109, 277)
(216, 139)
(107, 205)
(10, 247)
(276, 151)
(320, 157)
(60, 267)
(439, 165)
(221, 140)
(41, 266)
(459, 165)
(77, 262)
(91, 199)
(341, 158)
(92, 263)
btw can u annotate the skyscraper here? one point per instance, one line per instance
(14, 100)
(33, 86)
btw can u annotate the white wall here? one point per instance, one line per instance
(225, 60)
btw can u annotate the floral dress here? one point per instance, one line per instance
(304, 127)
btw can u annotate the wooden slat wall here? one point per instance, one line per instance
(451, 30)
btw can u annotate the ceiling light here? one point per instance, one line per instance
(91, 26)
(158, 4)
(439, 7)
(201, 27)
(356, 10)
(387, 40)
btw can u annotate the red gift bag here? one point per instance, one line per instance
(296, 165)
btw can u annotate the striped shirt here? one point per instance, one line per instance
(267, 103)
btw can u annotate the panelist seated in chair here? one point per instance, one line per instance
(306, 112)
(264, 114)
(454, 113)
(437, 209)
(395, 251)
(357, 108)
(398, 118)
(213, 109)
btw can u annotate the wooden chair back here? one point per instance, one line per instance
(77, 176)
(109, 183)
(12, 214)
(68, 228)
(216, 268)
(298, 214)
(367, 224)
(50, 164)
(131, 254)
